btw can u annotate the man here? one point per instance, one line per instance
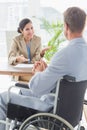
(72, 60)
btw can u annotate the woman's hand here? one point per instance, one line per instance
(21, 59)
(39, 66)
(44, 50)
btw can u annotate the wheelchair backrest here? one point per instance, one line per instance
(70, 100)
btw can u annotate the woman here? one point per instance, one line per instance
(26, 47)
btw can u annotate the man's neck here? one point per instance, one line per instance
(74, 35)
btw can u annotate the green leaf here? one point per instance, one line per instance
(56, 32)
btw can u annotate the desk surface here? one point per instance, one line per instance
(6, 69)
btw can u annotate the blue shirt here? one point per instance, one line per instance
(28, 50)
(71, 60)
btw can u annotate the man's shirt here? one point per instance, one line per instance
(71, 60)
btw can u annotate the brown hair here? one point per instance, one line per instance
(75, 18)
(22, 24)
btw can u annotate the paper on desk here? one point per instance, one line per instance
(24, 66)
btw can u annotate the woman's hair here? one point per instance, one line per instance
(22, 24)
(75, 18)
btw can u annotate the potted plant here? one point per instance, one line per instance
(55, 31)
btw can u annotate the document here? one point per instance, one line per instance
(24, 66)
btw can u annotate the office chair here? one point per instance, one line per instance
(68, 103)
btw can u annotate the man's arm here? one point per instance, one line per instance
(44, 80)
(39, 66)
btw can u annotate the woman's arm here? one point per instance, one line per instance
(42, 53)
(15, 56)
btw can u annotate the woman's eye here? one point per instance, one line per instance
(32, 28)
(27, 29)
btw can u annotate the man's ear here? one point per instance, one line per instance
(66, 26)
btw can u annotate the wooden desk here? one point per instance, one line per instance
(6, 69)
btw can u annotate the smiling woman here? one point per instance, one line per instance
(25, 47)
(11, 11)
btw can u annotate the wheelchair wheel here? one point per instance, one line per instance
(45, 121)
(82, 128)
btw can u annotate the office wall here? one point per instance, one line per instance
(11, 13)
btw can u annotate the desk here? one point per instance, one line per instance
(6, 69)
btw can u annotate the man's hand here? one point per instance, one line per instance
(39, 66)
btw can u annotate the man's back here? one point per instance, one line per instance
(71, 61)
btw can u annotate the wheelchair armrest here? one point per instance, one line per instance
(69, 78)
(19, 85)
(22, 85)
(85, 102)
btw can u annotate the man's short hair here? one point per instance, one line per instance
(75, 18)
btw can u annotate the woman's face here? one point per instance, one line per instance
(28, 31)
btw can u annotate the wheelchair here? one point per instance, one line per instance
(45, 121)
(68, 106)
